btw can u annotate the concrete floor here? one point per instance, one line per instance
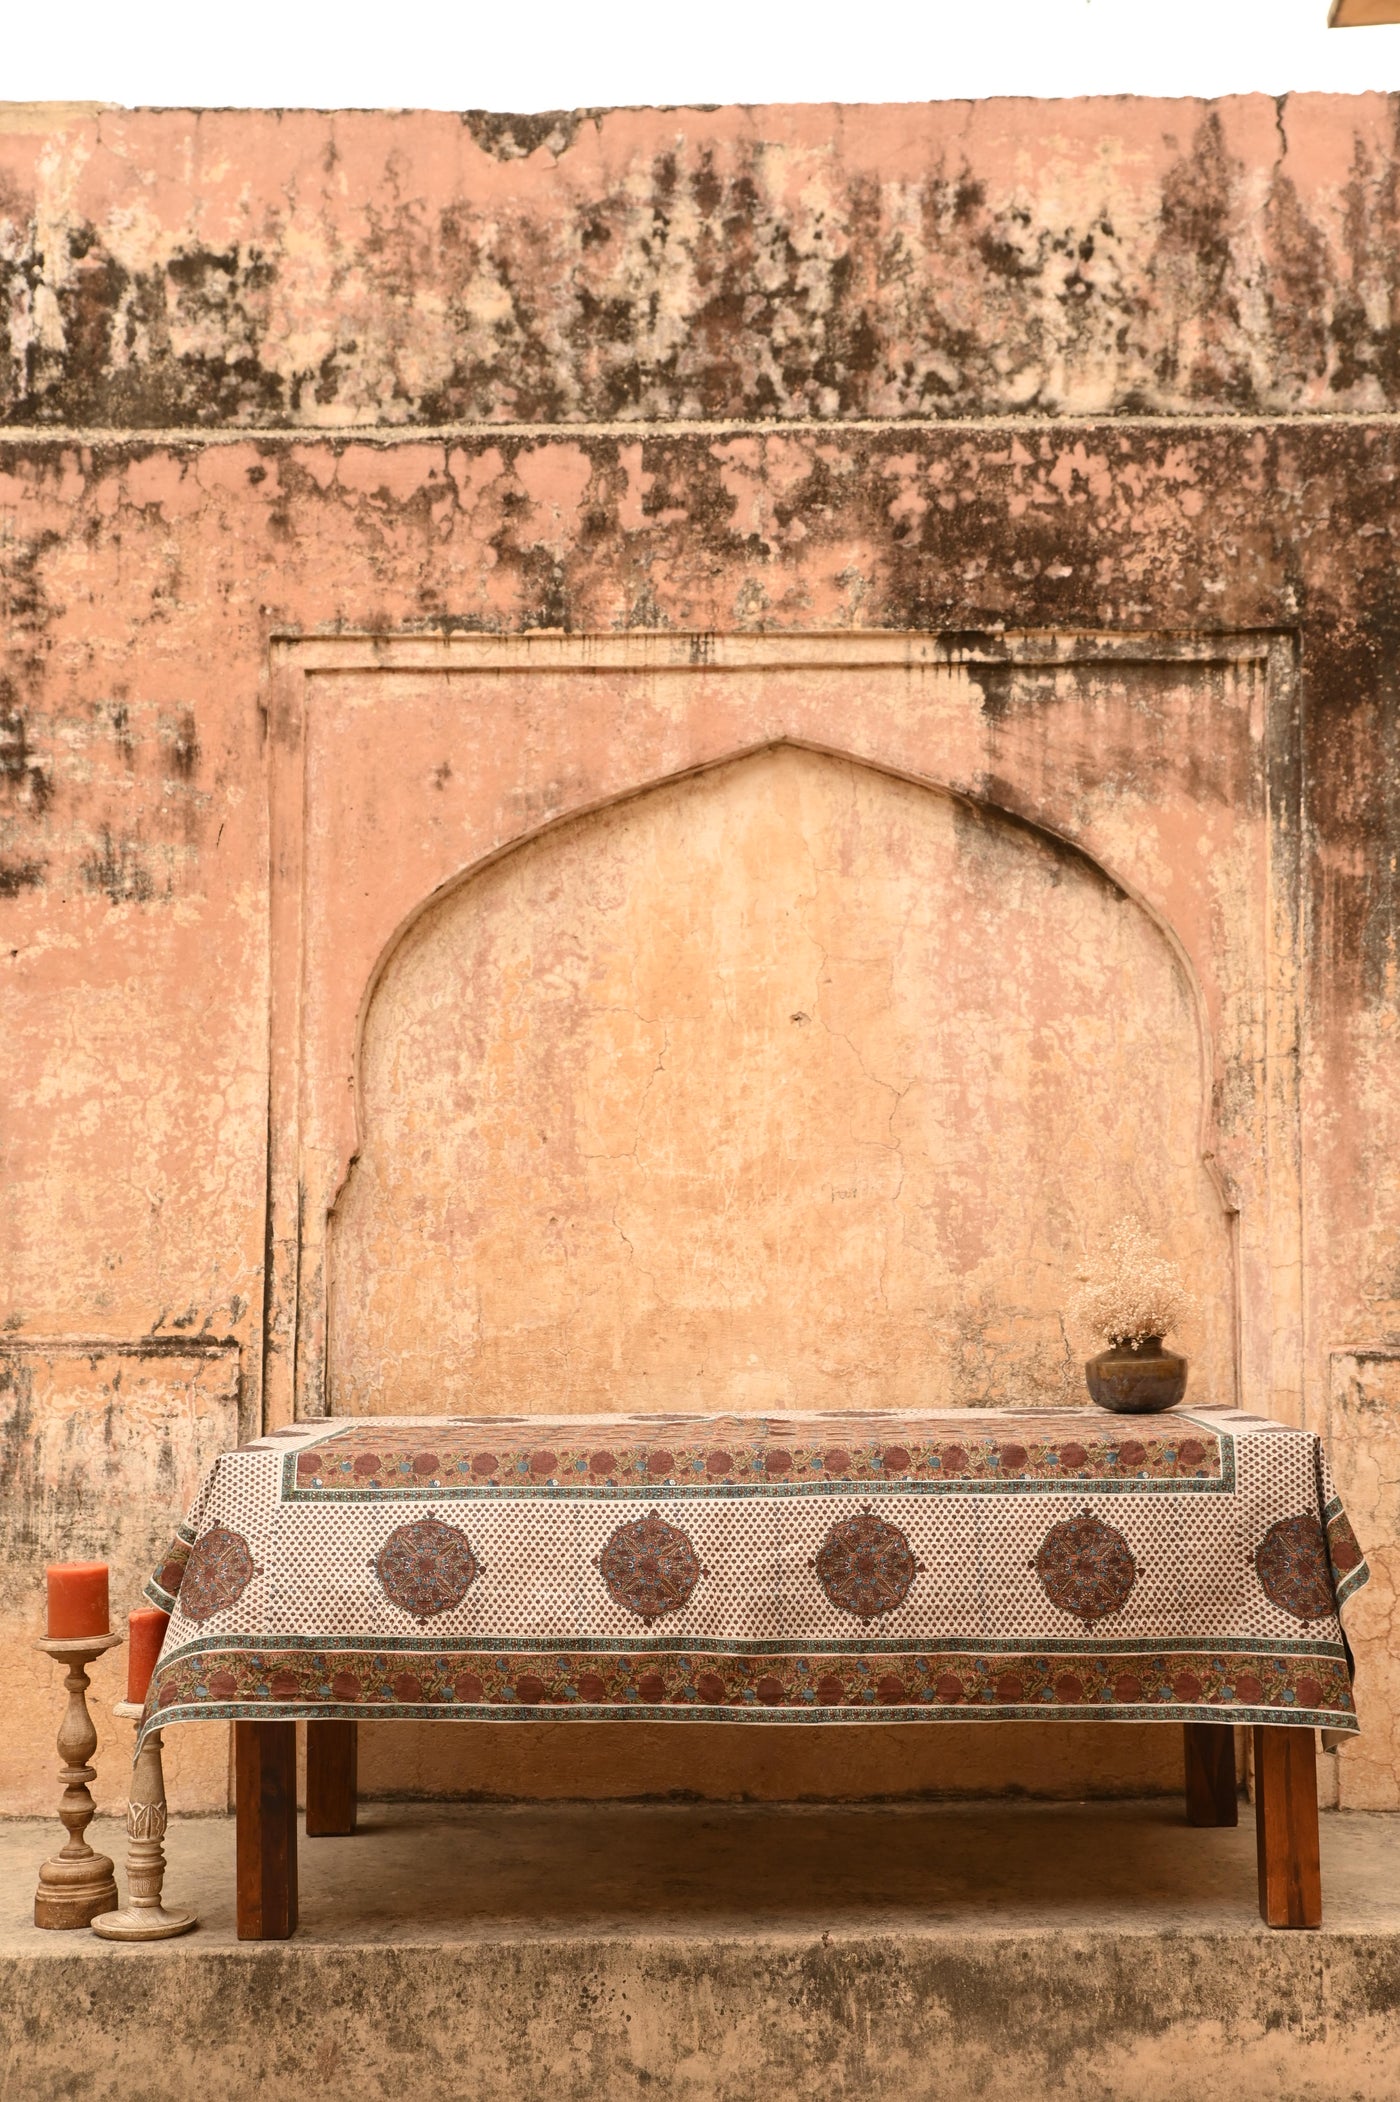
(909, 1951)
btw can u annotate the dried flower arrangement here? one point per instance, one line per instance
(1134, 1293)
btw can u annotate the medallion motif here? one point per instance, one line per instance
(650, 1568)
(1291, 1562)
(171, 1574)
(218, 1572)
(1343, 1547)
(1086, 1567)
(426, 1568)
(865, 1566)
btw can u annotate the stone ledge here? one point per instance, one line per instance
(617, 1952)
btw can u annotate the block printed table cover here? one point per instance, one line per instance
(1190, 1567)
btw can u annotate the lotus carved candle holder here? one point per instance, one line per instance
(144, 1917)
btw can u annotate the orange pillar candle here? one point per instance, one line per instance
(77, 1600)
(145, 1633)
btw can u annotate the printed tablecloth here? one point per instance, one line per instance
(1191, 1567)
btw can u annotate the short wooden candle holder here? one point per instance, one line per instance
(144, 1917)
(76, 1884)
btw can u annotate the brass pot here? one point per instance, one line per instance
(1136, 1379)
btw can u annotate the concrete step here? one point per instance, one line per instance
(900, 1953)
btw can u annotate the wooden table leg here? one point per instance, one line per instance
(332, 1764)
(1212, 1796)
(265, 1796)
(1285, 1819)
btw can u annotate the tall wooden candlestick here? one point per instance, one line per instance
(76, 1883)
(144, 1917)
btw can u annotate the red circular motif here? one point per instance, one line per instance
(529, 1691)
(1127, 1687)
(346, 1687)
(949, 1688)
(649, 1567)
(426, 1567)
(1343, 1546)
(366, 1463)
(830, 1691)
(1009, 1687)
(1292, 1565)
(543, 1464)
(602, 1463)
(719, 1463)
(891, 1691)
(651, 1686)
(284, 1686)
(1069, 1688)
(1248, 1688)
(425, 1463)
(591, 1688)
(659, 1464)
(1086, 1567)
(1013, 1458)
(407, 1687)
(771, 1690)
(169, 1576)
(223, 1686)
(865, 1566)
(1072, 1456)
(896, 1459)
(1309, 1692)
(777, 1462)
(837, 1461)
(217, 1574)
(1132, 1454)
(308, 1466)
(1186, 1686)
(484, 1463)
(1190, 1452)
(710, 1687)
(954, 1460)
(468, 1687)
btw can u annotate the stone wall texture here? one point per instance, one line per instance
(390, 1024)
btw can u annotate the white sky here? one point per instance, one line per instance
(545, 54)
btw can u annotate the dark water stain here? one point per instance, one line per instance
(21, 775)
(510, 136)
(117, 868)
(180, 744)
(17, 876)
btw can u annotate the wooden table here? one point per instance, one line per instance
(1186, 1570)
(1285, 1787)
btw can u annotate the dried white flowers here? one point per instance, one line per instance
(1134, 1292)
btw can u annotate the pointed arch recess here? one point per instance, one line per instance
(1003, 812)
(917, 709)
(428, 1319)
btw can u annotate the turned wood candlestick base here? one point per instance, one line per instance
(144, 1917)
(76, 1883)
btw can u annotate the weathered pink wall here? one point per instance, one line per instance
(1086, 368)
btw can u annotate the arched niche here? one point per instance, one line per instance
(790, 1083)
